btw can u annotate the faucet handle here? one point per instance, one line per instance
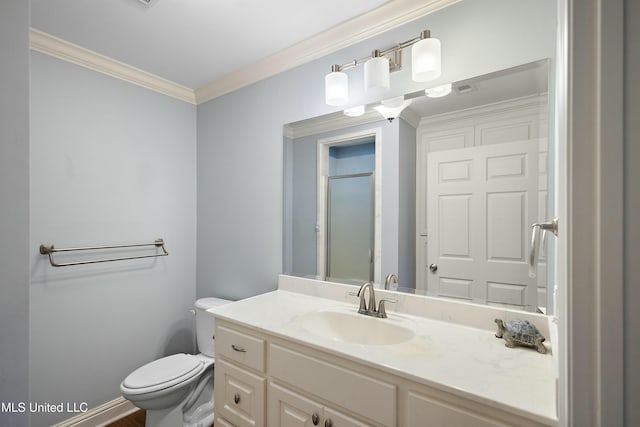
(382, 313)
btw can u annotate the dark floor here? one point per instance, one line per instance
(136, 419)
(133, 420)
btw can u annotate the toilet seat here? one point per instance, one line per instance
(162, 373)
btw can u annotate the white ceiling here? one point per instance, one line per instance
(191, 42)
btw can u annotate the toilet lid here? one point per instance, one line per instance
(163, 373)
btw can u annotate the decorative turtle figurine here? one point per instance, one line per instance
(520, 332)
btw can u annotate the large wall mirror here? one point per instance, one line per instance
(443, 194)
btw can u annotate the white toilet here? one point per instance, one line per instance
(177, 390)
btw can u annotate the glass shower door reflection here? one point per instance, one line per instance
(350, 227)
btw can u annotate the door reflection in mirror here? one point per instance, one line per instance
(349, 230)
(350, 201)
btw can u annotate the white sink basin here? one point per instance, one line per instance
(351, 327)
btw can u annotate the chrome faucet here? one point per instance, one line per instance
(390, 277)
(370, 309)
(364, 308)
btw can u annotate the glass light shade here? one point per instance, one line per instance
(391, 108)
(426, 61)
(376, 74)
(354, 111)
(336, 88)
(438, 91)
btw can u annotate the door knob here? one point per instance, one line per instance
(433, 268)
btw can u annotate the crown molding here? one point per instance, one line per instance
(46, 43)
(517, 106)
(334, 121)
(338, 120)
(411, 117)
(391, 15)
(328, 123)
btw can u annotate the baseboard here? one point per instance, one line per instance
(102, 415)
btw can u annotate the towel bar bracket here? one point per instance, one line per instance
(46, 248)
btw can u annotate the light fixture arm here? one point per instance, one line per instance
(379, 53)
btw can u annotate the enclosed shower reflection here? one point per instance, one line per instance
(350, 212)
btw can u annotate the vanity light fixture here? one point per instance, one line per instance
(425, 63)
(438, 91)
(392, 107)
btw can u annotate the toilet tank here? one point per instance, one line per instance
(205, 325)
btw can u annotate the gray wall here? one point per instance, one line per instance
(407, 204)
(111, 163)
(632, 213)
(14, 208)
(240, 149)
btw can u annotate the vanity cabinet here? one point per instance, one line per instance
(265, 380)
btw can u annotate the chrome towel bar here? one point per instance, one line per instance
(49, 249)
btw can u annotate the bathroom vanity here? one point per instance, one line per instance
(303, 356)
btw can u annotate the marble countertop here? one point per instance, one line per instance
(462, 360)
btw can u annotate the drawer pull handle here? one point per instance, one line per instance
(238, 348)
(315, 419)
(236, 398)
(327, 422)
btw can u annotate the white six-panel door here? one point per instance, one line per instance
(481, 202)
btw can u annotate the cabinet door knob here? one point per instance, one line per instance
(327, 422)
(236, 398)
(315, 419)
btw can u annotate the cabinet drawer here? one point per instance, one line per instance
(239, 395)
(240, 347)
(362, 394)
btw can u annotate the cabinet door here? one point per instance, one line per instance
(290, 409)
(239, 395)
